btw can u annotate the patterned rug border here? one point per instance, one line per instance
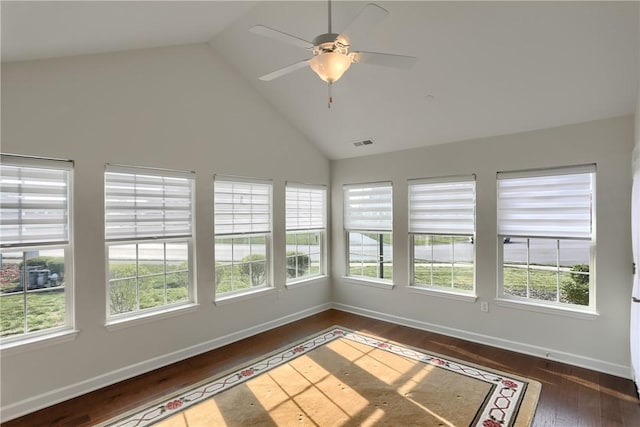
(500, 408)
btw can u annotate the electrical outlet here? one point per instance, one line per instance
(484, 306)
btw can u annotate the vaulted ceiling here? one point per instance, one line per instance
(483, 68)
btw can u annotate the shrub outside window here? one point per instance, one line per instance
(368, 224)
(442, 233)
(36, 270)
(305, 222)
(242, 220)
(149, 239)
(545, 235)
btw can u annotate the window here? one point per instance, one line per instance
(149, 235)
(242, 218)
(36, 284)
(442, 233)
(368, 223)
(545, 227)
(305, 211)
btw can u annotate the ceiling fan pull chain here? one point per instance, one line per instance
(330, 97)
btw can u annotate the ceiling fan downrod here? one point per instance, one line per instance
(329, 32)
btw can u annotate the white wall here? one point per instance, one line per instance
(638, 120)
(601, 343)
(179, 108)
(638, 106)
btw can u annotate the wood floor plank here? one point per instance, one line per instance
(570, 396)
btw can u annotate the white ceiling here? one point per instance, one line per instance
(483, 68)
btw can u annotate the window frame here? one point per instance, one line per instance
(239, 294)
(439, 231)
(320, 229)
(505, 238)
(384, 227)
(189, 239)
(68, 327)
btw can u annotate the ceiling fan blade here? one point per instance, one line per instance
(285, 70)
(261, 30)
(368, 17)
(383, 59)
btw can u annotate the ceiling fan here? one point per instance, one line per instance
(331, 55)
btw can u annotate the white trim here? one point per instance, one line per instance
(379, 184)
(148, 317)
(243, 179)
(364, 281)
(242, 295)
(547, 308)
(305, 281)
(622, 371)
(293, 184)
(562, 170)
(151, 171)
(442, 293)
(61, 394)
(35, 343)
(442, 179)
(36, 162)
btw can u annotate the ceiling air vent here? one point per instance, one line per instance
(361, 143)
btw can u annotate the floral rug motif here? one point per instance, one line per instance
(499, 399)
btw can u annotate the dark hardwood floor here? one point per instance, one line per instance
(571, 396)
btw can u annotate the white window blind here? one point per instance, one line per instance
(547, 203)
(145, 203)
(442, 205)
(368, 207)
(241, 206)
(34, 201)
(305, 207)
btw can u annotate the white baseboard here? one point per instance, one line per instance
(35, 403)
(519, 347)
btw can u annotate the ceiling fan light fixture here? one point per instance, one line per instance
(330, 66)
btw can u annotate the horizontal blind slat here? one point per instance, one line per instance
(546, 205)
(34, 201)
(304, 208)
(242, 207)
(368, 207)
(147, 204)
(442, 206)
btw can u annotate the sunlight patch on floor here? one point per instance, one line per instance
(307, 391)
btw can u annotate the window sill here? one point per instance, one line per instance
(35, 343)
(443, 293)
(243, 295)
(368, 282)
(547, 309)
(306, 281)
(137, 319)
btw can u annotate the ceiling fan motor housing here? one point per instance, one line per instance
(329, 42)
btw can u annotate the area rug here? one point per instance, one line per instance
(343, 378)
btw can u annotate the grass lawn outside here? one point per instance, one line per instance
(45, 309)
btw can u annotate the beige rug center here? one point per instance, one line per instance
(344, 383)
